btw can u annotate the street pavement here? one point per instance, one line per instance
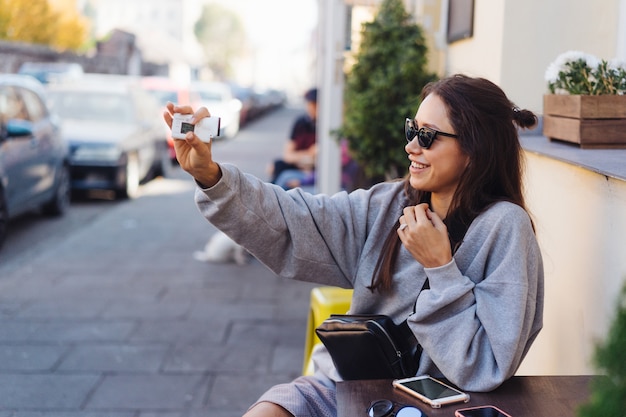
(119, 320)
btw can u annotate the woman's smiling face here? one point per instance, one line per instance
(437, 169)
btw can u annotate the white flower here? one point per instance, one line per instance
(576, 72)
(617, 64)
(573, 56)
(561, 61)
(552, 72)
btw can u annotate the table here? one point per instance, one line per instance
(520, 396)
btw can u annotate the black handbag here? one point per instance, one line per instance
(367, 346)
(371, 346)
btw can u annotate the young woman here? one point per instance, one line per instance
(458, 220)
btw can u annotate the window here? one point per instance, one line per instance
(460, 20)
(35, 107)
(15, 107)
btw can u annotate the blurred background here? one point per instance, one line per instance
(248, 44)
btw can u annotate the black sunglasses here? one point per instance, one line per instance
(384, 408)
(425, 135)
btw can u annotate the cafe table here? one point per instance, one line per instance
(520, 396)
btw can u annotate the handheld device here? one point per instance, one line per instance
(430, 390)
(205, 129)
(482, 411)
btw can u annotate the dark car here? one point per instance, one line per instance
(115, 132)
(34, 171)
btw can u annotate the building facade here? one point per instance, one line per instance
(580, 212)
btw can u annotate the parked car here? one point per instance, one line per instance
(47, 72)
(115, 132)
(165, 89)
(244, 94)
(34, 171)
(219, 99)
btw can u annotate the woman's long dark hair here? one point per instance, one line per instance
(486, 122)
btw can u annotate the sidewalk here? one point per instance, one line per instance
(119, 320)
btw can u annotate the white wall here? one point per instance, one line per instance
(580, 219)
(480, 55)
(515, 41)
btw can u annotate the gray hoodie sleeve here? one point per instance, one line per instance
(308, 237)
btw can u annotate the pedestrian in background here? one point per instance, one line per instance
(457, 221)
(297, 165)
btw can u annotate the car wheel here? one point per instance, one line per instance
(4, 218)
(131, 178)
(163, 165)
(60, 202)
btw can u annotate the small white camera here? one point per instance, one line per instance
(205, 129)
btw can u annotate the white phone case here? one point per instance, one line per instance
(431, 390)
(481, 411)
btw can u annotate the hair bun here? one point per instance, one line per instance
(524, 118)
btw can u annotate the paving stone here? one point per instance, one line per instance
(149, 309)
(181, 332)
(163, 414)
(287, 358)
(147, 392)
(62, 308)
(21, 357)
(240, 358)
(70, 414)
(46, 391)
(72, 331)
(110, 358)
(240, 391)
(288, 332)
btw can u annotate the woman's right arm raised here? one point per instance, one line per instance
(193, 155)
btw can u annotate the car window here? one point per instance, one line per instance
(15, 107)
(3, 100)
(96, 106)
(163, 96)
(3, 111)
(142, 103)
(36, 109)
(207, 95)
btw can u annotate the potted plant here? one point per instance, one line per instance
(586, 104)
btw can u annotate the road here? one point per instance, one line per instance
(104, 312)
(253, 149)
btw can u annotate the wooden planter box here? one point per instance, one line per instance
(589, 121)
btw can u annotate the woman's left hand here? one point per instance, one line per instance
(425, 236)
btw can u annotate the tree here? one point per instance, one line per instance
(222, 36)
(382, 89)
(35, 21)
(608, 393)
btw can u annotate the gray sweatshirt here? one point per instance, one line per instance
(483, 309)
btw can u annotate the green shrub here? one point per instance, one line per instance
(608, 392)
(382, 89)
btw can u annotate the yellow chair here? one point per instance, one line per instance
(324, 302)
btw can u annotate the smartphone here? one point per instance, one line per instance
(484, 411)
(430, 390)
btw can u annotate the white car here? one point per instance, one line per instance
(115, 132)
(219, 99)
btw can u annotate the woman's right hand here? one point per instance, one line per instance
(194, 155)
